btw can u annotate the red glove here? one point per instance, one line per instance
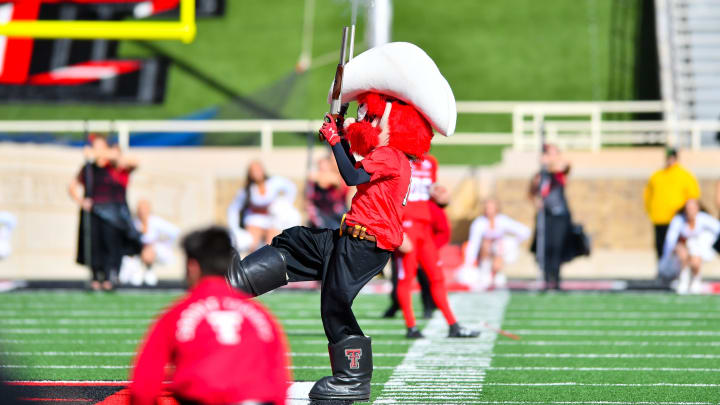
(329, 130)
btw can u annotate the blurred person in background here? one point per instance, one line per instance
(716, 245)
(493, 241)
(326, 198)
(419, 248)
(689, 243)
(665, 193)
(8, 222)
(547, 192)
(158, 236)
(441, 235)
(262, 208)
(105, 220)
(224, 347)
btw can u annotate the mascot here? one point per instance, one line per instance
(401, 97)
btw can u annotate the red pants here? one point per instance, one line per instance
(425, 254)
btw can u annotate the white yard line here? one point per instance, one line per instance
(604, 343)
(593, 332)
(71, 341)
(442, 369)
(611, 308)
(611, 355)
(643, 369)
(511, 315)
(631, 323)
(593, 403)
(579, 384)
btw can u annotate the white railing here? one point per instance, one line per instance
(570, 124)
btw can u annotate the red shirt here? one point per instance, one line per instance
(109, 183)
(440, 225)
(379, 203)
(225, 347)
(424, 175)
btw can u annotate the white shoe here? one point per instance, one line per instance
(137, 278)
(696, 285)
(683, 285)
(500, 280)
(150, 278)
(485, 278)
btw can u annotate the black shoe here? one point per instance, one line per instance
(428, 313)
(414, 333)
(351, 363)
(390, 313)
(458, 331)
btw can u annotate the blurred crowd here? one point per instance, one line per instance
(121, 245)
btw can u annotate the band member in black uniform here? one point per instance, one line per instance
(106, 232)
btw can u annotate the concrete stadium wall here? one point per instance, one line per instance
(192, 187)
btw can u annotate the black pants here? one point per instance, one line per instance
(344, 265)
(660, 232)
(106, 245)
(427, 300)
(557, 228)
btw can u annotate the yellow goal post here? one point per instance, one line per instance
(183, 30)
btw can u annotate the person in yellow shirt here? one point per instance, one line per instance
(666, 192)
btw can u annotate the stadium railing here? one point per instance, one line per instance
(581, 125)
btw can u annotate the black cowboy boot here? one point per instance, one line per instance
(259, 272)
(459, 331)
(351, 363)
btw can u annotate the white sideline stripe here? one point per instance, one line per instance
(604, 343)
(658, 369)
(553, 322)
(612, 355)
(579, 384)
(427, 360)
(590, 332)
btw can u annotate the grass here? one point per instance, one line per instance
(574, 348)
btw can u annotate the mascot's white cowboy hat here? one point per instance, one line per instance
(404, 71)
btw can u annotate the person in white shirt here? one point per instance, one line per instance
(158, 239)
(7, 224)
(689, 243)
(493, 241)
(261, 209)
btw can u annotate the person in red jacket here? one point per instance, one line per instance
(419, 248)
(224, 347)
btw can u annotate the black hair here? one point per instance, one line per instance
(701, 208)
(211, 248)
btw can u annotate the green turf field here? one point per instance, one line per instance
(589, 348)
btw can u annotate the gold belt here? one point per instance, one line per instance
(356, 231)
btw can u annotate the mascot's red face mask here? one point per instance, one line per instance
(386, 121)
